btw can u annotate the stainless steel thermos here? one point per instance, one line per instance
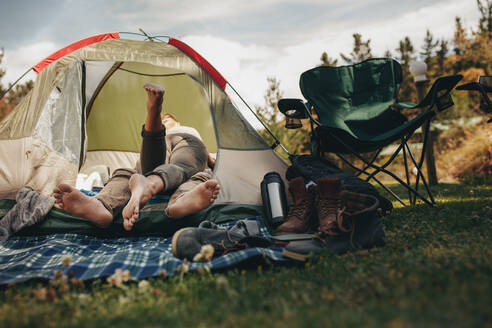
(274, 200)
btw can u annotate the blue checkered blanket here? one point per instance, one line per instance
(23, 258)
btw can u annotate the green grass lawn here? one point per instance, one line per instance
(435, 271)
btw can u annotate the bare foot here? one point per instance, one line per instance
(155, 95)
(197, 199)
(142, 189)
(76, 203)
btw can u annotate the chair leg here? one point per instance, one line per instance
(382, 168)
(410, 195)
(388, 162)
(420, 174)
(422, 157)
(374, 157)
(374, 178)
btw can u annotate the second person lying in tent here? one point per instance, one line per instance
(172, 158)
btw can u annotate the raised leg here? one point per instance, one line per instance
(155, 96)
(153, 151)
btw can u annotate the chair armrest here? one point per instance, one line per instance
(483, 89)
(474, 86)
(293, 108)
(439, 94)
(403, 105)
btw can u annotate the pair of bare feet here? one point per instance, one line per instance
(142, 188)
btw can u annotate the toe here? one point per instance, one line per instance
(211, 184)
(126, 225)
(63, 187)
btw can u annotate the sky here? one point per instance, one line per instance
(247, 41)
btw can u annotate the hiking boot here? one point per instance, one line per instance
(188, 242)
(330, 208)
(246, 227)
(360, 220)
(300, 212)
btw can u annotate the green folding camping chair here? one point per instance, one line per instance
(358, 112)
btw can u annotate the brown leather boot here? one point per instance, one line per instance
(300, 212)
(329, 205)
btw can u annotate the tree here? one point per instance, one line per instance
(441, 55)
(5, 108)
(428, 47)
(405, 52)
(2, 72)
(14, 96)
(360, 52)
(485, 21)
(269, 113)
(328, 61)
(460, 38)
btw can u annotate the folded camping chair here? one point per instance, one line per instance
(358, 112)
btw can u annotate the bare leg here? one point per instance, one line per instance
(154, 106)
(197, 199)
(76, 203)
(142, 189)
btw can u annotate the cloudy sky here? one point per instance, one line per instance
(247, 41)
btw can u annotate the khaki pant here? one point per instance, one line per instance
(179, 159)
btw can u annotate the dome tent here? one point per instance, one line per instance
(87, 107)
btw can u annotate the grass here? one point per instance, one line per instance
(435, 271)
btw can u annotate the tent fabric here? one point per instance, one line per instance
(249, 163)
(112, 159)
(119, 106)
(82, 105)
(202, 61)
(23, 258)
(50, 153)
(29, 162)
(71, 48)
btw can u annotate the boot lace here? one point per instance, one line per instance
(332, 208)
(337, 224)
(236, 245)
(297, 210)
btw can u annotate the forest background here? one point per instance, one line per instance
(463, 140)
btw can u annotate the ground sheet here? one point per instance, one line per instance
(27, 257)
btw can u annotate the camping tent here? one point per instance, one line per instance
(88, 105)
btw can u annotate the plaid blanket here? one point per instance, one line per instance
(23, 258)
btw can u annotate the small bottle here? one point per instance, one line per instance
(274, 200)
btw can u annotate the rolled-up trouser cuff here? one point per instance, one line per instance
(161, 133)
(187, 186)
(172, 175)
(116, 193)
(188, 156)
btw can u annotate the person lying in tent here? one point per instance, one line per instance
(172, 158)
